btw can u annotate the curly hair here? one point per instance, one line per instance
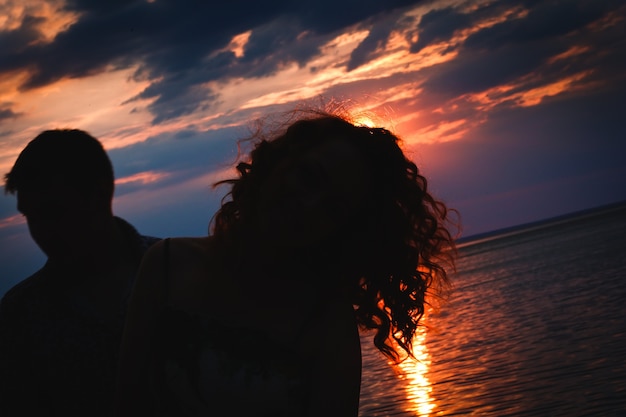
(405, 249)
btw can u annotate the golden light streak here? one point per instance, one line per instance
(441, 132)
(283, 90)
(400, 62)
(409, 91)
(415, 374)
(345, 42)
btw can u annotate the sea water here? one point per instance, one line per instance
(536, 326)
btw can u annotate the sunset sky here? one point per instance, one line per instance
(514, 110)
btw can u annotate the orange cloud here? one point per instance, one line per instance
(11, 221)
(444, 131)
(146, 177)
(54, 18)
(519, 95)
(238, 43)
(573, 51)
(296, 83)
(93, 104)
(534, 96)
(614, 18)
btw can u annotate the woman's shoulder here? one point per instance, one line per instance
(192, 268)
(166, 252)
(190, 246)
(176, 249)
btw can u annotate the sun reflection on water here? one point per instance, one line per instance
(415, 373)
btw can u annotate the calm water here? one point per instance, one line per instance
(535, 327)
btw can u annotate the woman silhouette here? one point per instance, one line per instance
(327, 229)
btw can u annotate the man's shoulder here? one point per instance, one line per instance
(140, 243)
(145, 242)
(23, 290)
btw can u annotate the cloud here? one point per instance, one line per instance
(544, 21)
(502, 61)
(186, 55)
(439, 25)
(376, 41)
(7, 113)
(13, 41)
(179, 49)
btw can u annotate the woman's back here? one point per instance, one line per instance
(233, 346)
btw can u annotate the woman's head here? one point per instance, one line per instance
(344, 198)
(299, 188)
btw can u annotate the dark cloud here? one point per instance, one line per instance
(545, 21)
(175, 97)
(15, 41)
(7, 113)
(177, 44)
(523, 47)
(474, 71)
(272, 46)
(374, 44)
(440, 25)
(328, 16)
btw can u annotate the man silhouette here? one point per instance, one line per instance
(60, 329)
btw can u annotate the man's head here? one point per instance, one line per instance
(64, 183)
(68, 157)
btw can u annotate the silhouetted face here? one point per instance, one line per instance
(59, 221)
(310, 196)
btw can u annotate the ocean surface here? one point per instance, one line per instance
(536, 326)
